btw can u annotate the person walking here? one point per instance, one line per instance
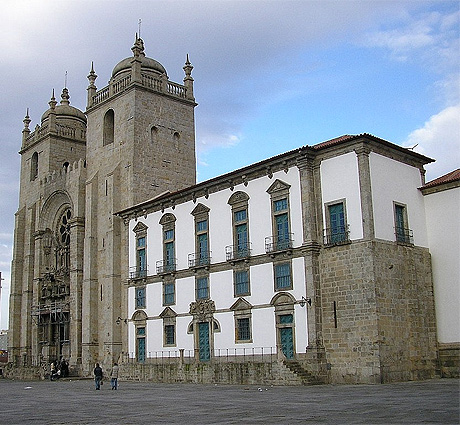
(98, 376)
(114, 377)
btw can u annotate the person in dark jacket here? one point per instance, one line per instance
(98, 376)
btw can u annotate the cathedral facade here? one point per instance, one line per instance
(136, 139)
(312, 266)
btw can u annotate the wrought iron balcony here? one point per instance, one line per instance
(336, 236)
(279, 243)
(199, 259)
(166, 266)
(238, 252)
(137, 273)
(404, 235)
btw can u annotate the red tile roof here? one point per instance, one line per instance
(446, 178)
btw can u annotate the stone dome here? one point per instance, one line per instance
(147, 64)
(64, 110)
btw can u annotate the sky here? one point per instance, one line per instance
(270, 76)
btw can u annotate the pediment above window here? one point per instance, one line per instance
(167, 218)
(277, 186)
(241, 304)
(140, 227)
(168, 312)
(200, 209)
(238, 197)
(139, 315)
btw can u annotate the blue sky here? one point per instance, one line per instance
(270, 76)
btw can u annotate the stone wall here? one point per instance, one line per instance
(378, 312)
(449, 360)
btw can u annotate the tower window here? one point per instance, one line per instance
(34, 166)
(109, 127)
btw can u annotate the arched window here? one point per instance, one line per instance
(34, 166)
(109, 126)
(154, 134)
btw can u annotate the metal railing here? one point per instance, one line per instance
(137, 273)
(279, 243)
(197, 259)
(166, 266)
(238, 252)
(404, 235)
(336, 235)
(221, 355)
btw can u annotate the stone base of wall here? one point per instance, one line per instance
(236, 373)
(449, 360)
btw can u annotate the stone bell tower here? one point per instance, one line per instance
(140, 143)
(47, 266)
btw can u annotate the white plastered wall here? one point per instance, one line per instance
(221, 283)
(443, 225)
(340, 180)
(393, 181)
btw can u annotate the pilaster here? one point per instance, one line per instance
(365, 190)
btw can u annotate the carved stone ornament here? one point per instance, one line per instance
(202, 309)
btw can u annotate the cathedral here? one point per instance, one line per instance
(313, 266)
(135, 140)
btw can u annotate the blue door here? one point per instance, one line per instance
(203, 341)
(286, 336)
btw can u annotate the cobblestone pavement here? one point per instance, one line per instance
(77, 402)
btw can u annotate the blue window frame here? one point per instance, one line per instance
(140, 297)
(168, 293)
(202, 288)
(280, 205)
(243, 329)
(283, 276)
(170, 337)
(338, 231)
(241, 283)
(140, 344)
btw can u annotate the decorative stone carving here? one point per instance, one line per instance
(203, 309)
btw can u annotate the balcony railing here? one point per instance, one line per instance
(166, 266)
(137, 273)
(199, 259)
(336, 236)
(238, 252)
(404, 235)
(278, 243)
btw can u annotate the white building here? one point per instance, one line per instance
(316, 257)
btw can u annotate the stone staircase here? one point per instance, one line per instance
(306, 377)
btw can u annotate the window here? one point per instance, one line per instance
(282, 236)
(170, 335)
(283, 276)
(202, 288)
(168, 264)
(109, 127)
(34, 166)
(336, 231)
(241, 283)
(169, 326)
(402, 231)
(168, 293)
(243, 329)
(201, 256)
(140, 269)
(242, 315)
(141, 261)
(140, 297)
(241, 245)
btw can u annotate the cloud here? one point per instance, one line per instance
(439, 138)
(428, 38)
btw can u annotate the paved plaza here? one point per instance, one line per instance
(77, 402)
